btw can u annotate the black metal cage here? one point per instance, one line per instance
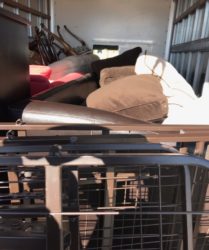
(102, 192)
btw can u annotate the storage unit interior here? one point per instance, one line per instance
(146, 206)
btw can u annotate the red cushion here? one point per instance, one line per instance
(38, 83)
(40, 70)
(65, 79)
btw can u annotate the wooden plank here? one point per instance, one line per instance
(12, 16)
(190, 10)
(24, 8)
(200, 45)
(54, 205)
(13, 185)
(115, 127)
(110, 200)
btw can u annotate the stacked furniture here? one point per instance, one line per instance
(59, 104)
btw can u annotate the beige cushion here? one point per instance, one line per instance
(108, 75)
(139, 97)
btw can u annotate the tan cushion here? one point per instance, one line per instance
(108, 75)
(139, 97)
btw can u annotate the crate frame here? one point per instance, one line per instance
(99, 149)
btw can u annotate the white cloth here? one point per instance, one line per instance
(184, 107)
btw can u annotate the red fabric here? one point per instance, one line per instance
(38, 83)
(39, 78)
(65, 79)
(40, 70)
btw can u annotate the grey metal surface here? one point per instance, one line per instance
(191, 36)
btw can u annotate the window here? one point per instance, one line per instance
(105, 51)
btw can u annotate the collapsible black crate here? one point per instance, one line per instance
(103, 192)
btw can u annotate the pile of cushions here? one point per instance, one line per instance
(122, 91)
(151, 90)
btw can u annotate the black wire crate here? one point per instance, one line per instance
(23, 224)
(98, 195)
(141, 207)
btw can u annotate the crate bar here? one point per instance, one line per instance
(166, 137)
(141, 216)
(98, 212)
(188, 199)
(160, 207)
(112, 138)
(86, 147)
(131, 138)
(72, 230)
(171, 159)
(174, 219)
